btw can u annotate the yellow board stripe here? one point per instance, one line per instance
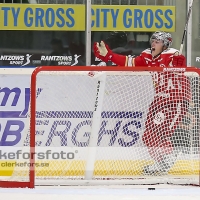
(102, 168)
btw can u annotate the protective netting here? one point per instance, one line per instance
(115, 125)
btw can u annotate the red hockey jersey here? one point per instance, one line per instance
(170, 85)
(163, 60)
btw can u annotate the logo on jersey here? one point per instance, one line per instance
(159, 118)
(162, 65)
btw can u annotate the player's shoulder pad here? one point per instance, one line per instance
(170, 51)
(147, 51)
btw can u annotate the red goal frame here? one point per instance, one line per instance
(31, 182)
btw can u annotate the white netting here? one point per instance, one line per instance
(134, 138)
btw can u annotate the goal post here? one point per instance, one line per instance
(92, 126)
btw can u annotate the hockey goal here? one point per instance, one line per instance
(87, 124)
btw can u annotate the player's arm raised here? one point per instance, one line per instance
(103, 52)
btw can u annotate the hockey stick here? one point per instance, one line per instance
(186, 25)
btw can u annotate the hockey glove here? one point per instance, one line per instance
(103, 52)
(179, 61)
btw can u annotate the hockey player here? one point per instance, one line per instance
(172, 96)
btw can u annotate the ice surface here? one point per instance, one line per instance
(102, 193)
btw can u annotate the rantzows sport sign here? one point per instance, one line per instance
(16, 60)
(31, 60)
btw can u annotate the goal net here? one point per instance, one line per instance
(109, 125)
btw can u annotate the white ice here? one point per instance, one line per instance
(127, 192)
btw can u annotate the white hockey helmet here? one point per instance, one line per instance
(161, 35)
